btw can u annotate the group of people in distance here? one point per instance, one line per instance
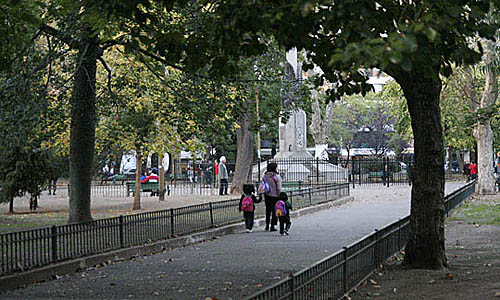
(277, 205)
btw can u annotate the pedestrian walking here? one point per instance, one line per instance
(270, 186)
(247, 205)
(473, 170)
(223, 176)
(467, 171)
(282, 211)
(54, 175)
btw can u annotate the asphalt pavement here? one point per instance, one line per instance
(237, 265)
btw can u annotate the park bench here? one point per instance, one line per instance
(113, 178)
(375, 175)
(153, 187)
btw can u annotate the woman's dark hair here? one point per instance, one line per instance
(272, 167)
(283, 196)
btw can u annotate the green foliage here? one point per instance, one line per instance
(25, 164)
(375, 165)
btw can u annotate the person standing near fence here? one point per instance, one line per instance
(216, 170)
(273, 180)
(473, 170)
(54, 175)
(223, 175)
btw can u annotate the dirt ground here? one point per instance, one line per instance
(473, 252)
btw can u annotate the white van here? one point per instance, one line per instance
(127, 165)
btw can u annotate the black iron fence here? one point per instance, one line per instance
(198, 177)
(358, 171)
(336, 275)
(20, 251)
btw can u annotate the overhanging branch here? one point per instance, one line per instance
(59, 35)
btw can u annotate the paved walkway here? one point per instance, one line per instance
(233, 266)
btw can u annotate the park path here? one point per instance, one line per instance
(237, 265)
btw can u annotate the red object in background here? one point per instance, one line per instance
(216, 166)
(150, 177)
(473, 168)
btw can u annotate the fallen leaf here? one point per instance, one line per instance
(449, 276)
(497, 294)
(432, 281)
(373, 282)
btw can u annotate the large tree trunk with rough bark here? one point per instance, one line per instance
(82, 139)
(484, 138)
(321, 125)
(425, 248)
(482, 130)
(244, 155)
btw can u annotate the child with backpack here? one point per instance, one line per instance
(247, 205)
(282, 211)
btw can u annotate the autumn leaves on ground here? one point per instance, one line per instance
(473, 252)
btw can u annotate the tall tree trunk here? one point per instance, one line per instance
(321, 125)
(138, 173)
(82, 139)
(244, 155)
(425, 248)
(11, 205)
(482, 131)
(484, 139)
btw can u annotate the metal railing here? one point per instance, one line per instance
(358, 171)
(20, 251)
(338, 274)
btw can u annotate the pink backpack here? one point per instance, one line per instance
(247, 204)
(280, 209)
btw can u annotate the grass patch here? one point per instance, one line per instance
(478, 214)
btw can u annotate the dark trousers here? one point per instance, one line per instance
(223, 187)
(285, 223)
(249, 216)
(270, 216)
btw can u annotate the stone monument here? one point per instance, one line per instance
(293, 133)
(298, 164)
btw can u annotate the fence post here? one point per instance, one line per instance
(359, 171)
(344, 271)
(211, 214)
(399, 234)
(376, 251)
(351, 173)
(69, 191)
(122, 232)
(310, 197)
(172, 231)
(54, 243)
(291, 286)
(317, 170)
(387, 171)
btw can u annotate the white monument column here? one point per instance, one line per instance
(293, 134)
